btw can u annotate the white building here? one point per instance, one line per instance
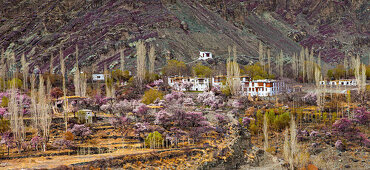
(339, 83)
(254, 87)
(98, 77)
(205, 55)
(189, 83)
(263, 87)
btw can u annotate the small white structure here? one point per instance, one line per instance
(86, 115)
(343, 83)
(98, 77)
(189, 83)
(205, 55)
(322, 82)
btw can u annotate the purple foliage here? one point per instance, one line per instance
(339, 145)
(362, 116)
(314, 134)
(36, 141)
(8, 140)
(345, 127)
(246, 121)
(188, 102)
(141, 128)
(3, 112)
(310, 98)
(81, 130)
(209, 99)
(163, 118)
(221, 119)
(141, 110)
(62, 143)
(175, 97)
(117, 122)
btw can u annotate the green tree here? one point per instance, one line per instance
(4, 125)
(15, 81)
(256, 72)
(154, 140)
(202, 71)
(175, 67)
(151, 95)
(4, 101)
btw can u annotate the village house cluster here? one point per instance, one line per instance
(348, 82)
(250, 87)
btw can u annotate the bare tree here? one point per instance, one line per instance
(16, 117)
(303, 64)
(25, 71)
(141, 61)
(63, 71)
(233, 74)
(261, 55)
(76, 77)
(43, 109)
(265, 133)
(293, 141)
(151, 59)
(269, 61)
(122, 56)
(51, 64)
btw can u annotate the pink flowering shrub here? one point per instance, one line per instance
(175, 97)
(119, 122)
(3, 112)
(141, 110)
(36, 142)
(310, 98)
(209, 99)
(62, 144)
(188, 102)
(81, 131)
(362, 116)
(246, 121)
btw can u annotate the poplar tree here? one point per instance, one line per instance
(25, 71)
(63, 71)
(141, 61)
(122, 56)
(151, 59)
(269, 61)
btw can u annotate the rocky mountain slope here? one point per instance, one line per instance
(179, 29)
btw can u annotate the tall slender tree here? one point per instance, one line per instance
(63, 71)
(151, 59)
(141, 61)
(122, 57)
(25, 71)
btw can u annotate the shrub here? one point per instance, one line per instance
(4, 125)
(339, 145)
(15, 81)
(141, 110)
(151, 95)
(36, 142)
(3, 112)
(56, 92)
(119, 122)
(175, 67)
(4, 101)
(202, 71)
(81, 131)
(362, 116)
(69, 136)
(62, 144)
(282, 121)
(246, 121)
(253, 127)
(154, 139)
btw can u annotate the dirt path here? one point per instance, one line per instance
(55, 161)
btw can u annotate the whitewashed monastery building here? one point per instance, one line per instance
(248, 87)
